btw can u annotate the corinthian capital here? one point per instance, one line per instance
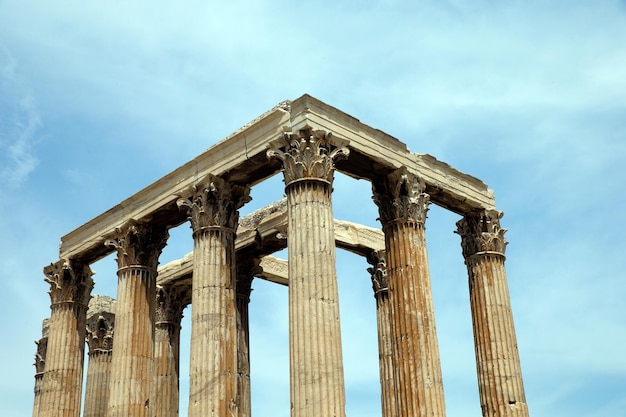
(247, 268)
(214, 202)
(401, 197)
(42, 347)
(70, 281)
(100, 332)
(170, 303)
(100, 323)
(138, 244)
(307, 155)
(380, 281)
(481, 232)
(40, 356)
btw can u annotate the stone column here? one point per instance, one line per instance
(40, 362)
(170, 302)
(402, 205)
(138, 248)
(380, 284)
(70, 287)
(247, 268)
(497, 359)
(100, 325)
(316, 364)
(212, 207)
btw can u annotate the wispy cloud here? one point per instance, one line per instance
(19, 124)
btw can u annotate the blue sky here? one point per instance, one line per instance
(98, 100)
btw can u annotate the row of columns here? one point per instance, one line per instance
(170, 302)
(219, 360)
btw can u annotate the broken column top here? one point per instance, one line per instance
(100, 304)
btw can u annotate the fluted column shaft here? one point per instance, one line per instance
(247, 267)
(40, 362)
(380, 284)
(139, 246)
(71, 285)
(97, 387)
(170, 303)
(132, 352)
(213, 362)
(500, 382)
(212, 209)
(100, 327)
(403, 206)
(38, 386)
(316, 363)
(317, 382)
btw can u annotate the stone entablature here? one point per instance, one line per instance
(372, 154)
(308, 141)
(262, 232)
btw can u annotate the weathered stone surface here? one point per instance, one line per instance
(247, 268)
(212, 207)
(499, 371)
(258, 232)
(40, 363)
(315, 357)
(403, 204)
(70, 287)
(100, 328)
(170, 302)
(138, 246)
(373, 154)
(380, 285)
(308, 140)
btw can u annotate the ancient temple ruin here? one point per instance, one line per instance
(133, 341)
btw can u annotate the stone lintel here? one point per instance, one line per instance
(158, 200)
(274, 270)
(99, 304)
(352, 237)
(372, 153)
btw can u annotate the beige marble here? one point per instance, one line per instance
(248, 266)
(212, 208)
(376, 153)
(403, 205)
(307, 140)
(315, 357)
(380, 285)
(165, 395)
(100, 328)
(138, 245)
(70, 288)
(40, 363)
(498, 366)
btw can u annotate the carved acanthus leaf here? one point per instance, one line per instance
(70, 281)
(170, 303)
(380, 280)
(138, 244)
(247, 268)
(307, 155)
(401, 197)
(100, 331)
(214, 202)
(40, 356)
(481, 232)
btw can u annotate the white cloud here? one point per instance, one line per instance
(19, 124)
